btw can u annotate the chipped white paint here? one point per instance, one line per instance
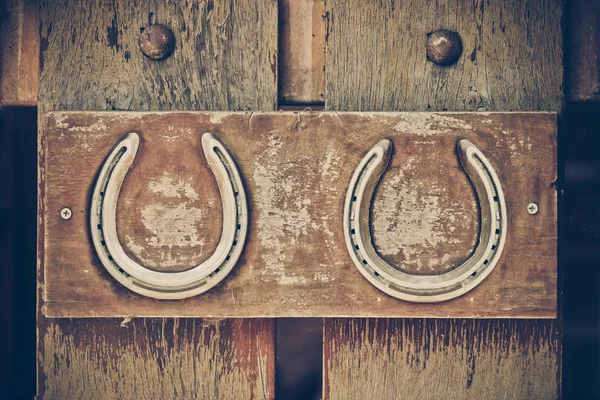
(283, 207)
(423, 124)
(409, 220)
(170, 187)
(217, 117)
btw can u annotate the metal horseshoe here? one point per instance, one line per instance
(425, 288)
(168, 285)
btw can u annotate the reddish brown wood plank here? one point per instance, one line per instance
(19, 52)
(296, 168)
(157, 359)
(302, 51)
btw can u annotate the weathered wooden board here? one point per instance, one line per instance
(223, 60)
(19, 52)
(158, 359)
(434, 359)
(302, 51)
(297, 167)
(512, 61)
(582, 50)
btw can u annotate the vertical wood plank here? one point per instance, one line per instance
(433, 359)
(302, 51)
(225, 58)
(582, 50)
(19, 52)
(512, 61)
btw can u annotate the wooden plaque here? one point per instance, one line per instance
(296, 169)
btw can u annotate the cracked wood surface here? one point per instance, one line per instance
(512, 61)
(296, 168)
(90, 60)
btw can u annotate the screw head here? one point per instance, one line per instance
(157, 42)
(443, 47)
(532, 208)
(66, 213)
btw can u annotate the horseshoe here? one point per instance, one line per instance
(168, 285)
(425, 288)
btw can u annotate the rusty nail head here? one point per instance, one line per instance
(443, 47)
(157, 42)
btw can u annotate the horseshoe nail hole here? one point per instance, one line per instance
(493, 247)
(99, 226)
(375, 273)
(121, 270)
(234, 242)
(365, 262)
(227, 258)
(474, 273)
(235, 194)
(103, 243)
(101, 193)
(495, 198)
(352, 231)
(485, 262)
(110, 257)
(356, 246)
(497, 231)
(217, 271)
(239, 226)
(353, 198)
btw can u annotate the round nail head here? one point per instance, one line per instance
(443, 47)
(157, 42)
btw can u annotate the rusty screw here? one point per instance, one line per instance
(443, 47)
(157, 42)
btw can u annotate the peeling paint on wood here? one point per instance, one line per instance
(296, 168)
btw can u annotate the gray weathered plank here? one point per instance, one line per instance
(225, 58)
(512, 61)
(433, 359)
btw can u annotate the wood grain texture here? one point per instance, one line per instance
(157, 359)
(90, 60)
(433, 359)
(302, 51)
(511, 60)
(225, 56)
(296, 168)
(582, 50)
(19, 52)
